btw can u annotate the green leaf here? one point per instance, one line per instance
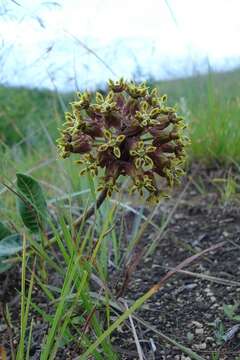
(31, 203)
(4, 267)
(231, 311)
(10, 245)
(4, 231)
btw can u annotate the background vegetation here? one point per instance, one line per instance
(211, 104)
(29, 122)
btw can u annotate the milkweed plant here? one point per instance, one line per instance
(130, 131)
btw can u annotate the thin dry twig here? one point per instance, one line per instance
(183, 264)
(92, 52)
(138, 346)
(10, 333)
(91, 210)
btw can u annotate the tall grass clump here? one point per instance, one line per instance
(127, 143)
(129, 132)
(212, 105)
(25, 111)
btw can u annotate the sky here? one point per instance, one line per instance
(74, 44)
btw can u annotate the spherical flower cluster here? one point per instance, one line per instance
(131, 131)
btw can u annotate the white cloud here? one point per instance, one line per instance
(151, 34)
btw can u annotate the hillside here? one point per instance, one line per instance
(211, 104)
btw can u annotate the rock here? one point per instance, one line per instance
(209, 339)
(197, 324)
(199, 331)
(213, 299)
(202, 346)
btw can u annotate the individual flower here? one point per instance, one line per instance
(141, 153)
(112, 142)
(129, 131)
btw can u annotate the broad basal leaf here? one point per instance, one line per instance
(4, 231)
(32, 204)
(4, 267)
(10, 245)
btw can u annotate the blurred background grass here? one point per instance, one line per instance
(210, 104)
(30, 119)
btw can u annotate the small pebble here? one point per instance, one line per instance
(202, 346)
(3, 328)
(199, 331)
(209, 339)
(197, 324)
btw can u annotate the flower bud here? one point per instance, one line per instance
(81, 143)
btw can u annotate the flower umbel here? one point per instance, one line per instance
(131, 132)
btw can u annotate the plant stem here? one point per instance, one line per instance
(91, 210)
(85, 216)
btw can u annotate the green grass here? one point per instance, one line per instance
(28, 129)
(77, 263)
(25, 111)
(211, 104)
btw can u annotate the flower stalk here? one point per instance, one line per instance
(91, 210)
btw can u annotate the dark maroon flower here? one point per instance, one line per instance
(130, 131)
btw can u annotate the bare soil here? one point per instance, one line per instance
(189, 309)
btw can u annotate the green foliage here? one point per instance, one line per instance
(9, 246)
(228, 187)
(222, 334)
(31, 202)
(4, 231)
(219, 331)
(231, 312)
(23, 111)
(4, 266)
(80, 262)
(33, 210)
(215, 355)
(211, 104)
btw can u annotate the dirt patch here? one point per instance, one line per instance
(189, 308)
